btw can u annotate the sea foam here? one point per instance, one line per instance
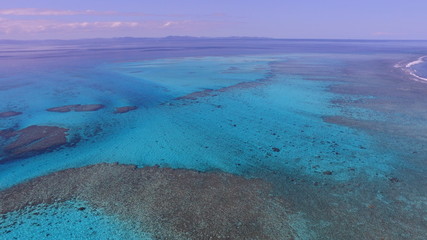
(408, 68)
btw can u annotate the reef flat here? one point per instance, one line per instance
(168, 203)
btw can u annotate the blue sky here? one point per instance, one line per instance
(333, 19)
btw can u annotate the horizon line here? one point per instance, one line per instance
(204, 37)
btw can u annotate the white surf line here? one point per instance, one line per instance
(407, 69)
(418, 61)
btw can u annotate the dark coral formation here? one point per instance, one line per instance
(242, 85)
(9, 114)
(7, 133)
(169, 203)
(125, 109)
(341, 120)
(62, 109)
(77, 108)
(211, 92)
(88, 107)
(379, 127)
(196, 95)
(33, 140)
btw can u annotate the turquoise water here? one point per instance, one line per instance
(285, 112)
(345, 128)
(69, 220)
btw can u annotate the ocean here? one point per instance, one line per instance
(228, 138)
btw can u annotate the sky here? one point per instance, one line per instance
(312, 19)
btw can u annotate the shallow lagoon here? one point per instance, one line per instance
(336, 130)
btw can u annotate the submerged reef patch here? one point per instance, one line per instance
(7, 133)
(196, 95)
(32, 140)
(215, 92)
(77, 108)
(167, 203)
(125, 109)
(244, 85)
(9, 114)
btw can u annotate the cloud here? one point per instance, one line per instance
(97, 25)
(38, 26)
(47, 12)
(53, 12)
(12, 26)
(171, 23)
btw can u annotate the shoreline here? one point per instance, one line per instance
(407, 69)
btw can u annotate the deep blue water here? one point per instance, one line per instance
(421, 69)
(332, 125)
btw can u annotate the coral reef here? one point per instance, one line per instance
(215, 92)
(125, 109)
(77, 108)
(196, 95)
(33, 140)
(168, 203)
(9, 114)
